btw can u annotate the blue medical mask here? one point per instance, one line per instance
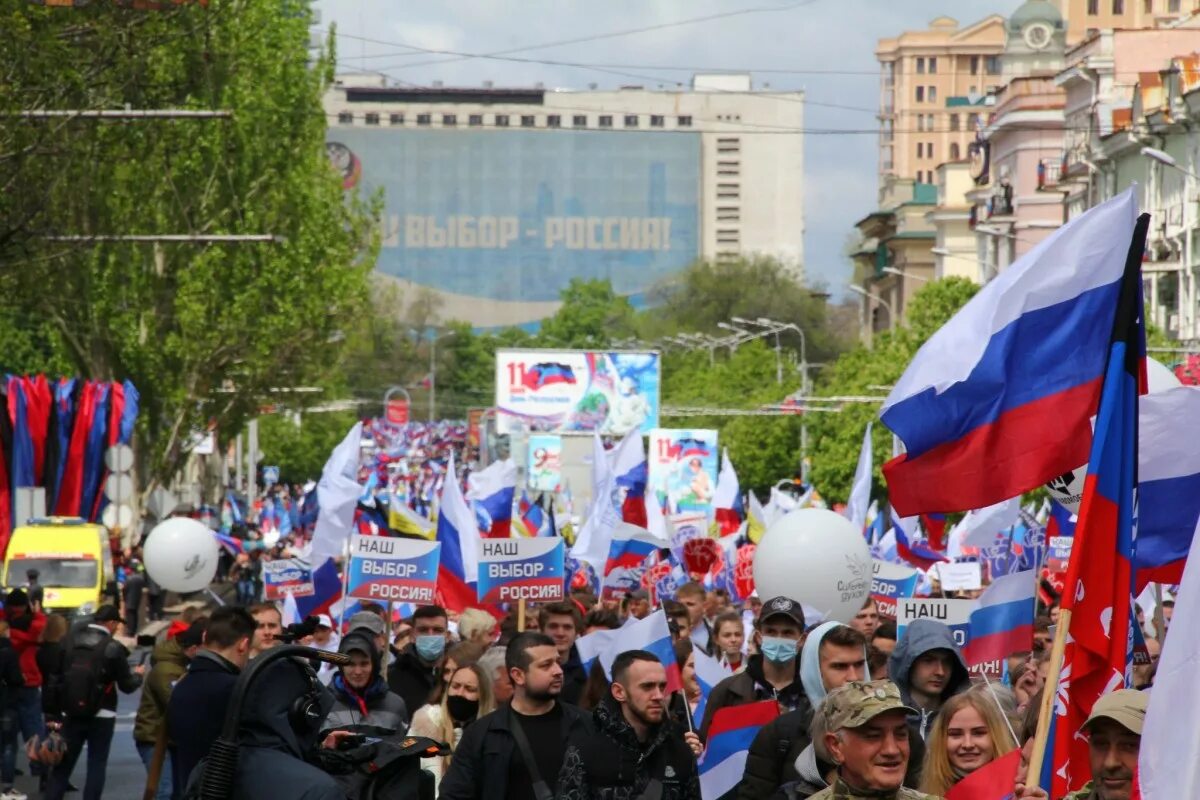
(431, 647)
(778, 650)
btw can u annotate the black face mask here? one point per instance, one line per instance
(461, 709)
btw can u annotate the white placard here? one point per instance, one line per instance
(955, 576)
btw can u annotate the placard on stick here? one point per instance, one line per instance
(393, 570)
(521, 569)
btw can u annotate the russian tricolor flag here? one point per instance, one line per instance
(492, 490)
(1168, 484)
(627, 552)
(730, 734)
(458, 569)
(727, 499)
(629, 474)
(652, 635)
(1000, 399)
(909, 548)
(709, 672)
(1003, 622)
(935, 530)
(327, 590)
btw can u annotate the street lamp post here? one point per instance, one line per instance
(772, 326)
(433, 340)
(871, 295)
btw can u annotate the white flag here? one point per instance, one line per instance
(337, 493)
(860, 494)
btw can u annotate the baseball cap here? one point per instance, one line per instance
(108, 613)
(1126, 707)
(858, 702)
(16, 598)
(323, 621)
(367, 620)
(193, 636)
(782, 607)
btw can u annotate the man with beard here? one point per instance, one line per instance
(635, 751)
(866, 735)
(515, 752)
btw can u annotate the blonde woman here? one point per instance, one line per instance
(477, 625)
(468, 697)
(968, 733)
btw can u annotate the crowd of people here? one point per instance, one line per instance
(518, 714)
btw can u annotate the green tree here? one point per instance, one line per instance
(591, 316)
(205, 330)
(869, 372)
(301, 450)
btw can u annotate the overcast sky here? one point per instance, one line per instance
(828, 44)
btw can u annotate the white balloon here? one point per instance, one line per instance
(181, 555)
(817, 558)
(1067, 489)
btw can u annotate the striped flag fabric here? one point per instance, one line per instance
(650, 634)
(729, 737)
(491, 493)
(989, 407)
(709, 672)
(728, 506)
(458, 568)
(1100, 573)
(1003, 622)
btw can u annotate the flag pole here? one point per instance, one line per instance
(521, 615)
(1049, 693)
(345, 584)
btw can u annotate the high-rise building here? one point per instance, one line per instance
(933, 84)
(496, 198)
(1088, 17)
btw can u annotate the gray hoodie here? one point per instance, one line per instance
(919, 638)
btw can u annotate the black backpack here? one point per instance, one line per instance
(83, 685)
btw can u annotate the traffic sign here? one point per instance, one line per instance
(118, 487)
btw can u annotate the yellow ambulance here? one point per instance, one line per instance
(73, 559)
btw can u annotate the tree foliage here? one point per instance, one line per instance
(870, 371)
(301, 450)
(205, 331)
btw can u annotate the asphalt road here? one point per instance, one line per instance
(126, 776)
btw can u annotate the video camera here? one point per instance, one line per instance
(298, 630)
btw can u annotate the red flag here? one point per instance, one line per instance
(994, 781)
(1098, 587)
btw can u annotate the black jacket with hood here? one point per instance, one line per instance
(412, 678)
(116, 672)
(919, 638)
(272, 756)
(609, 763)
(197, 707)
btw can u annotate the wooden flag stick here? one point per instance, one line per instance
(521, 615)
(1049, 693)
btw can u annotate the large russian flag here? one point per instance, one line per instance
(729, 737)
(650, 634)
(458, 569)
(1168, 484)
(1000, 399)
(492, 490)
(1003, 622)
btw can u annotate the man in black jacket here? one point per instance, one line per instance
(417, 669)
(198, 702)
(489, 763)
(92, 723)
(635, 750)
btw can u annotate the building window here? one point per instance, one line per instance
(1093, 7)
(1148, 6)
(993, 65)
(475, 120)
(657, 120)
(932, 94)
(1173, 6)
(932, 65)
(929, 150)
(605, 121)
(579, 121)
(974, 65)
(973, 122)
(1118, 6)
(554, 121)
(424, 119)
(728, 214)
(528, 121)
(345, 118)
(631, 120)
(920, 123)
(728, 191)
(920, 94)
(684, 122)
(954, 151)
(954, 122)
(502, 120)
(920, 66)
(396, 119)
(730, 168)
(920, 149)
(449, 120)
(371, 118)
(727, 145)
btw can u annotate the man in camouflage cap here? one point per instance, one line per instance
(866, 726)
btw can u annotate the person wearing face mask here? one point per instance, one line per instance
(468, 697)
(969, 733)
(773, 673)
(360, 695)
(417, 670)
